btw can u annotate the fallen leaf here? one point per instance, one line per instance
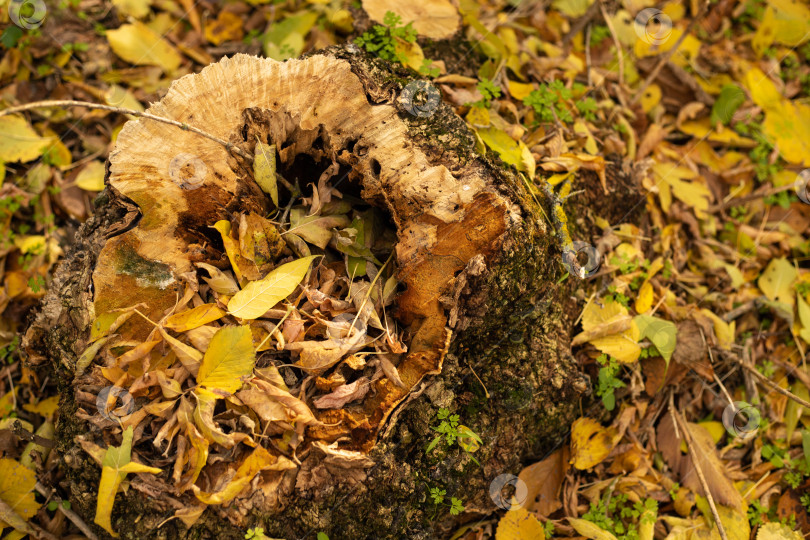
(344, 394)
(259, 296)
(17, 495)
(264, 167)
(229, 358)
(663, 334)
(590, 530)
(114, 468)
(259, 460)
(519, 524)
(590, 443)
(91, 177)
(138, 44)
(19, 141)
(193, 318)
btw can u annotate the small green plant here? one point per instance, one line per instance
(607, 382)
(755, 513)
(7, 352)
(587, 108)
(775, 455)
(805, 500)
(452, 432)
(489, 91)
(598, 34)
(548, 102)
(53, 505)
(614, 295)
(649, 352)
(673, 492)
(438, 496)
(382, 41)
(256, 533)
(620, 517)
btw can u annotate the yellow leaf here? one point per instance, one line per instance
(193, 318)
(784, 21)
(512, 152)
(620, 336)
(91, 177)
(264, 169)
(89, 354)
(134, 8)
(694, 193)
(591, 530)
(17, 494)
(188, 356)
(786, 123)
(228, 26)
(777, 531)
(19, 141)
(590, 443)
(114, 469)
(259, 296)
(645, 298)
(776, 282)
(478, 117)
(138, 44)
(232, 250)
(572, 8)
(651, 97)
(259, 460)
(519, 90)
(229, 357)
(45, 408)
(519, 524)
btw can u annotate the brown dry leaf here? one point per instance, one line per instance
(259, 460)
(265, 407)
(344, 394)
(544, 480)
(720, 484)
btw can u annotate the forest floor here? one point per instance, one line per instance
(695, 323)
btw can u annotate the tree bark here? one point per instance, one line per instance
(490, 324)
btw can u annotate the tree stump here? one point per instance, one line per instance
(484, 319)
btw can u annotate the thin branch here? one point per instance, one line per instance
(616, 42)
(89, 105)
(769, 383)
(696, 463)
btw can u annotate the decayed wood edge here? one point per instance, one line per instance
(395, 483)
(443, 218)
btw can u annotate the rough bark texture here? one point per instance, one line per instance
(511, 324)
